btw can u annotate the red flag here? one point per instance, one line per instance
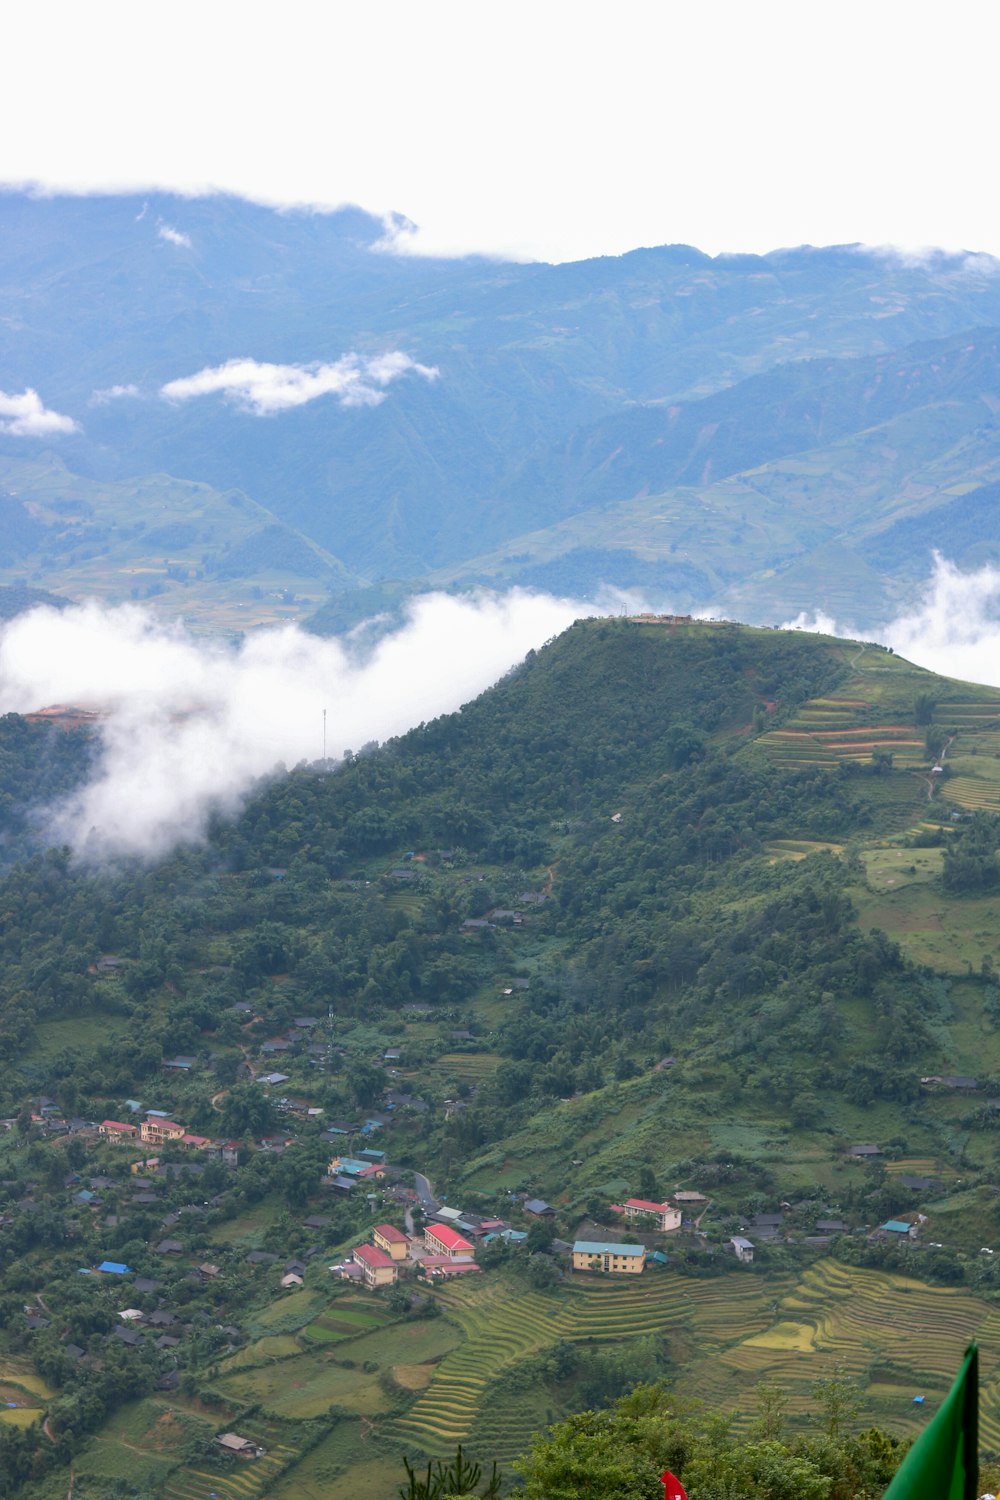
(672, 1487)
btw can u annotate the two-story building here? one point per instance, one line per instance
(115, 1130)
(440, 1240)
(157, 1132)
(664, 1215)
(604, 1255)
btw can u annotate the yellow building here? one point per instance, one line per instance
(600, 1255)
(377, 1268)
(156, 1132)
(392, 1240)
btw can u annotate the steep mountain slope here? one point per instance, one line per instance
(822, 483)
(559, 387)
(673, 906)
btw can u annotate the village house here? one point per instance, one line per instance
(665, 1215)
(351, 1166)
(604, 1255)
(392, 1240)
(898, 1229)
(440, 1240)
(742, 1249)
(116, 1131)
(378, 1268)
(157, 1132)
(231, 1442)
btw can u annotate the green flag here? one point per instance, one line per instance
(943, 1463)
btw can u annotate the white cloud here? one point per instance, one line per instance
(266, 388)
(25, 416)
(113, 393)
(174, 236)
(191, 725)
(954, 630)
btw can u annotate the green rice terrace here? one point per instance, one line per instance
(875, 711)
(335, 1419)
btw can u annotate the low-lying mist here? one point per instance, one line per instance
(954, 630)
(191, 725)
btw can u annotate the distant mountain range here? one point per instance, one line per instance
(755, 434)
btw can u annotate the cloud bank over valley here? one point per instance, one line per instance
(191, 725)
(954, 629)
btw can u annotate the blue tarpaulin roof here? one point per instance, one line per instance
(114, 1267)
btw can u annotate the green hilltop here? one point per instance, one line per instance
(676, 906)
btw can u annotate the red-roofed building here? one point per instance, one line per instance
(199, 1142)
(158, 1132)
(377, 1268)
(667, 1217)
(440, 1240)
(392, 1240)
(115, 1130)
(444, 1265)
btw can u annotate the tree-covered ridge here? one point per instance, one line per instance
(617, 945)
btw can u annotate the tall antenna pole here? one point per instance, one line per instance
(324, 737)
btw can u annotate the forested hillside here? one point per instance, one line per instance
(674, 906)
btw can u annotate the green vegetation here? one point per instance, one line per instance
(699, 960)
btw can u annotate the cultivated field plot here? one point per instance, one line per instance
(898, 1336)
(151, 1443)
(796, 849)
(930, 928)
(877, 711)
(504, 1323)
(972, 788)
(825, 731)
(23, 1393)
(463, 1067)
(864, 1322)
(894, 867)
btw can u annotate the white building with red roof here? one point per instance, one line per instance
(116, 1130)
(667, 1217)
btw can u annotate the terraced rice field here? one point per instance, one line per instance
(464, 1067)
(903, 1336)
(248, 1479)
(504, 1324)
(840, 1316)
(825, 731)
(973, 793)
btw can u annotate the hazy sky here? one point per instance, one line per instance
(555, 128)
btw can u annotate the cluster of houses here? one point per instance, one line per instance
(164, 1328)
(446, 1249)
(155, 1130)
(444, 1253)
(623, 1259)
